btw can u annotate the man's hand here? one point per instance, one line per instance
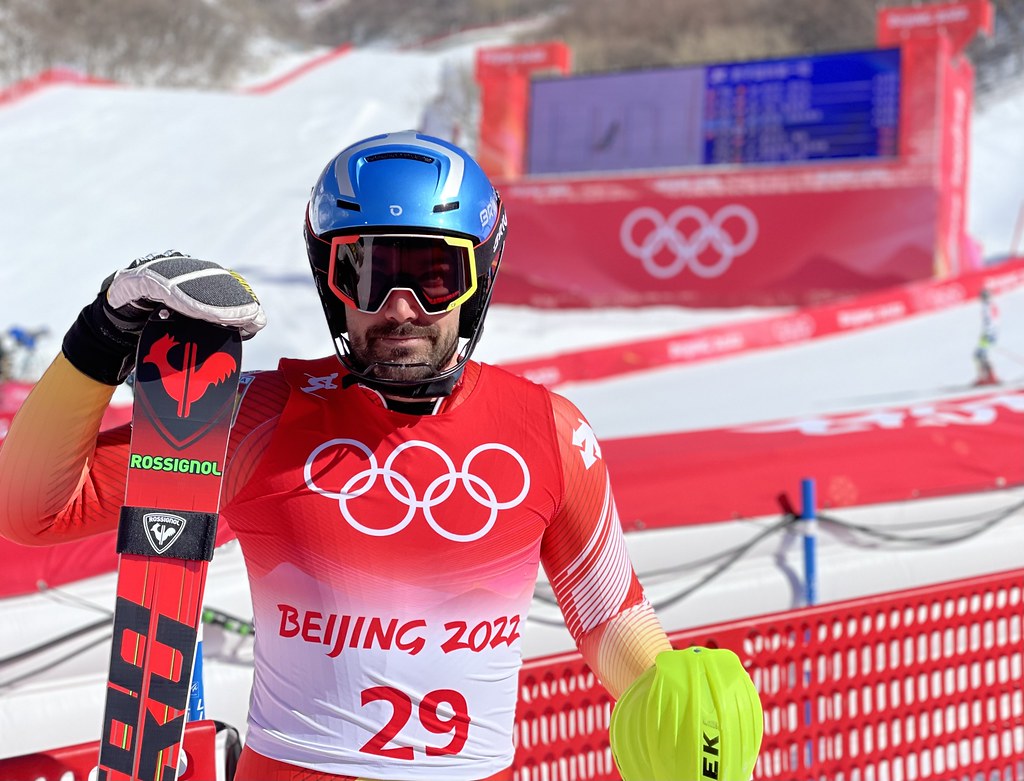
(694, 715)
(103, 340)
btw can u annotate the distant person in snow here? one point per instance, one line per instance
(6, 358)
(393, 501)
(18, 350)
(986, 339)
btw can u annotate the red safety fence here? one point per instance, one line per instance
(67, 76)
(49, 78)
(916, 685)
(287, 78)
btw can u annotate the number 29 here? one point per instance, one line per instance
(457, 724)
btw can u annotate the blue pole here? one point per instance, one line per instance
(197, 694)
(809, 524)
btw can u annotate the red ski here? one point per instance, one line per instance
(186, 381)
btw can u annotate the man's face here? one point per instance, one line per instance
(401, 342)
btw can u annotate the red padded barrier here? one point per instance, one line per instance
(798, 326)
(916, 685)
(78, 763)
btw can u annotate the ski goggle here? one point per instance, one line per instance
(439, 270)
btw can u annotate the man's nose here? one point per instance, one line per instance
(401, 306)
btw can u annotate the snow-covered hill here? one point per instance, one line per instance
(92, 177)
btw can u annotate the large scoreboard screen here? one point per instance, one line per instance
(819, 107)
(827, 107)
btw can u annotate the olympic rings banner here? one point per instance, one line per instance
(662, 240)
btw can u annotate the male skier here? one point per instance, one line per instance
(393, 501)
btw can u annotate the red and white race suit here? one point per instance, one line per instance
(391, 557)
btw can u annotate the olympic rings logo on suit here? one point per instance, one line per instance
(686, 247)
(399, 486)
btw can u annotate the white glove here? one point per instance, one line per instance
(102, 341)
(198, 289)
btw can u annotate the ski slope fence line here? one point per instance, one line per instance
(795, 327)
(49, 78)
(52, 77)
(921, 684)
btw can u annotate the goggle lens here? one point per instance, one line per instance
(439, 270)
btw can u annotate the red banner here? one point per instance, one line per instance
(794, 327)
(503, 73)
(960, 22)
(675, 239)
(886, 454)
(959, 94)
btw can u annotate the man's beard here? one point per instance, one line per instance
(378, 359)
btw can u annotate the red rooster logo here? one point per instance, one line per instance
(188, 383)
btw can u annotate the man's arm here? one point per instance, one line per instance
(60, 479)
(584, 554)
(49, 491)
(690, 713)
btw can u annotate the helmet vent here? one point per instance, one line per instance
(350, 205)
(446, 207)
(399, 156)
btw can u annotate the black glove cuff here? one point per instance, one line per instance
(97, 348)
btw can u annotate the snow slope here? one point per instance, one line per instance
(93, 177)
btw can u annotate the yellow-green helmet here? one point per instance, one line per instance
(694, 716)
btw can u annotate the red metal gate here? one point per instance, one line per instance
(923, 684)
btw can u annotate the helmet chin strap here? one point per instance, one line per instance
(441, 384)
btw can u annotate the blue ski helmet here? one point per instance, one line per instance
(406, 183)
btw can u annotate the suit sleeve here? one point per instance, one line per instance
(585, 557)
(62, 479)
